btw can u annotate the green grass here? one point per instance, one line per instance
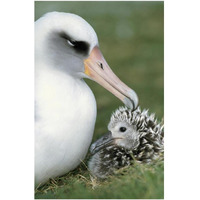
(138, 182)
(132, 41)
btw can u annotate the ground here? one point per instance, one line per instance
(131, 37)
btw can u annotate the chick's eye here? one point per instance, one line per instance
(122, 129)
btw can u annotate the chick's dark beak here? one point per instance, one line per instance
(102, 142)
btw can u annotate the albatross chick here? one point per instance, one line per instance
(134, 136)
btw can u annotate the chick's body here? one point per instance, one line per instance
(134, 136)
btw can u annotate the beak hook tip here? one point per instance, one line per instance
(132, 101)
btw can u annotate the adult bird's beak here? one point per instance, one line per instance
(98, 70)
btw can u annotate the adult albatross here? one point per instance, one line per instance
(66, 51)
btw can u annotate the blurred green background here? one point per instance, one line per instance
(131, 38)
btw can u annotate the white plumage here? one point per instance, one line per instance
(66, 51)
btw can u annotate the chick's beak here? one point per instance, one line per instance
(102, 142)
(98, 70)
(105, 141)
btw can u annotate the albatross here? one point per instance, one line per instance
(134, 136)
(66, 52)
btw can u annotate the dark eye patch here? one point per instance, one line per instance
(79, 46)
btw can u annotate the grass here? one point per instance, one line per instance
(131, 39)
(138, 182)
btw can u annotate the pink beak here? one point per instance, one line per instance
(98, 70)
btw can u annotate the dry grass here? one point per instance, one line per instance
(81, 184)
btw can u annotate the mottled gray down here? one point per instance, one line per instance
(134, 136)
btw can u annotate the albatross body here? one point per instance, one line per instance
(66, 51)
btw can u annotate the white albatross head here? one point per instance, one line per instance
(67, 42)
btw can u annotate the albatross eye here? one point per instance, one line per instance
(79, 46)
(71, 43)
(122, 129)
